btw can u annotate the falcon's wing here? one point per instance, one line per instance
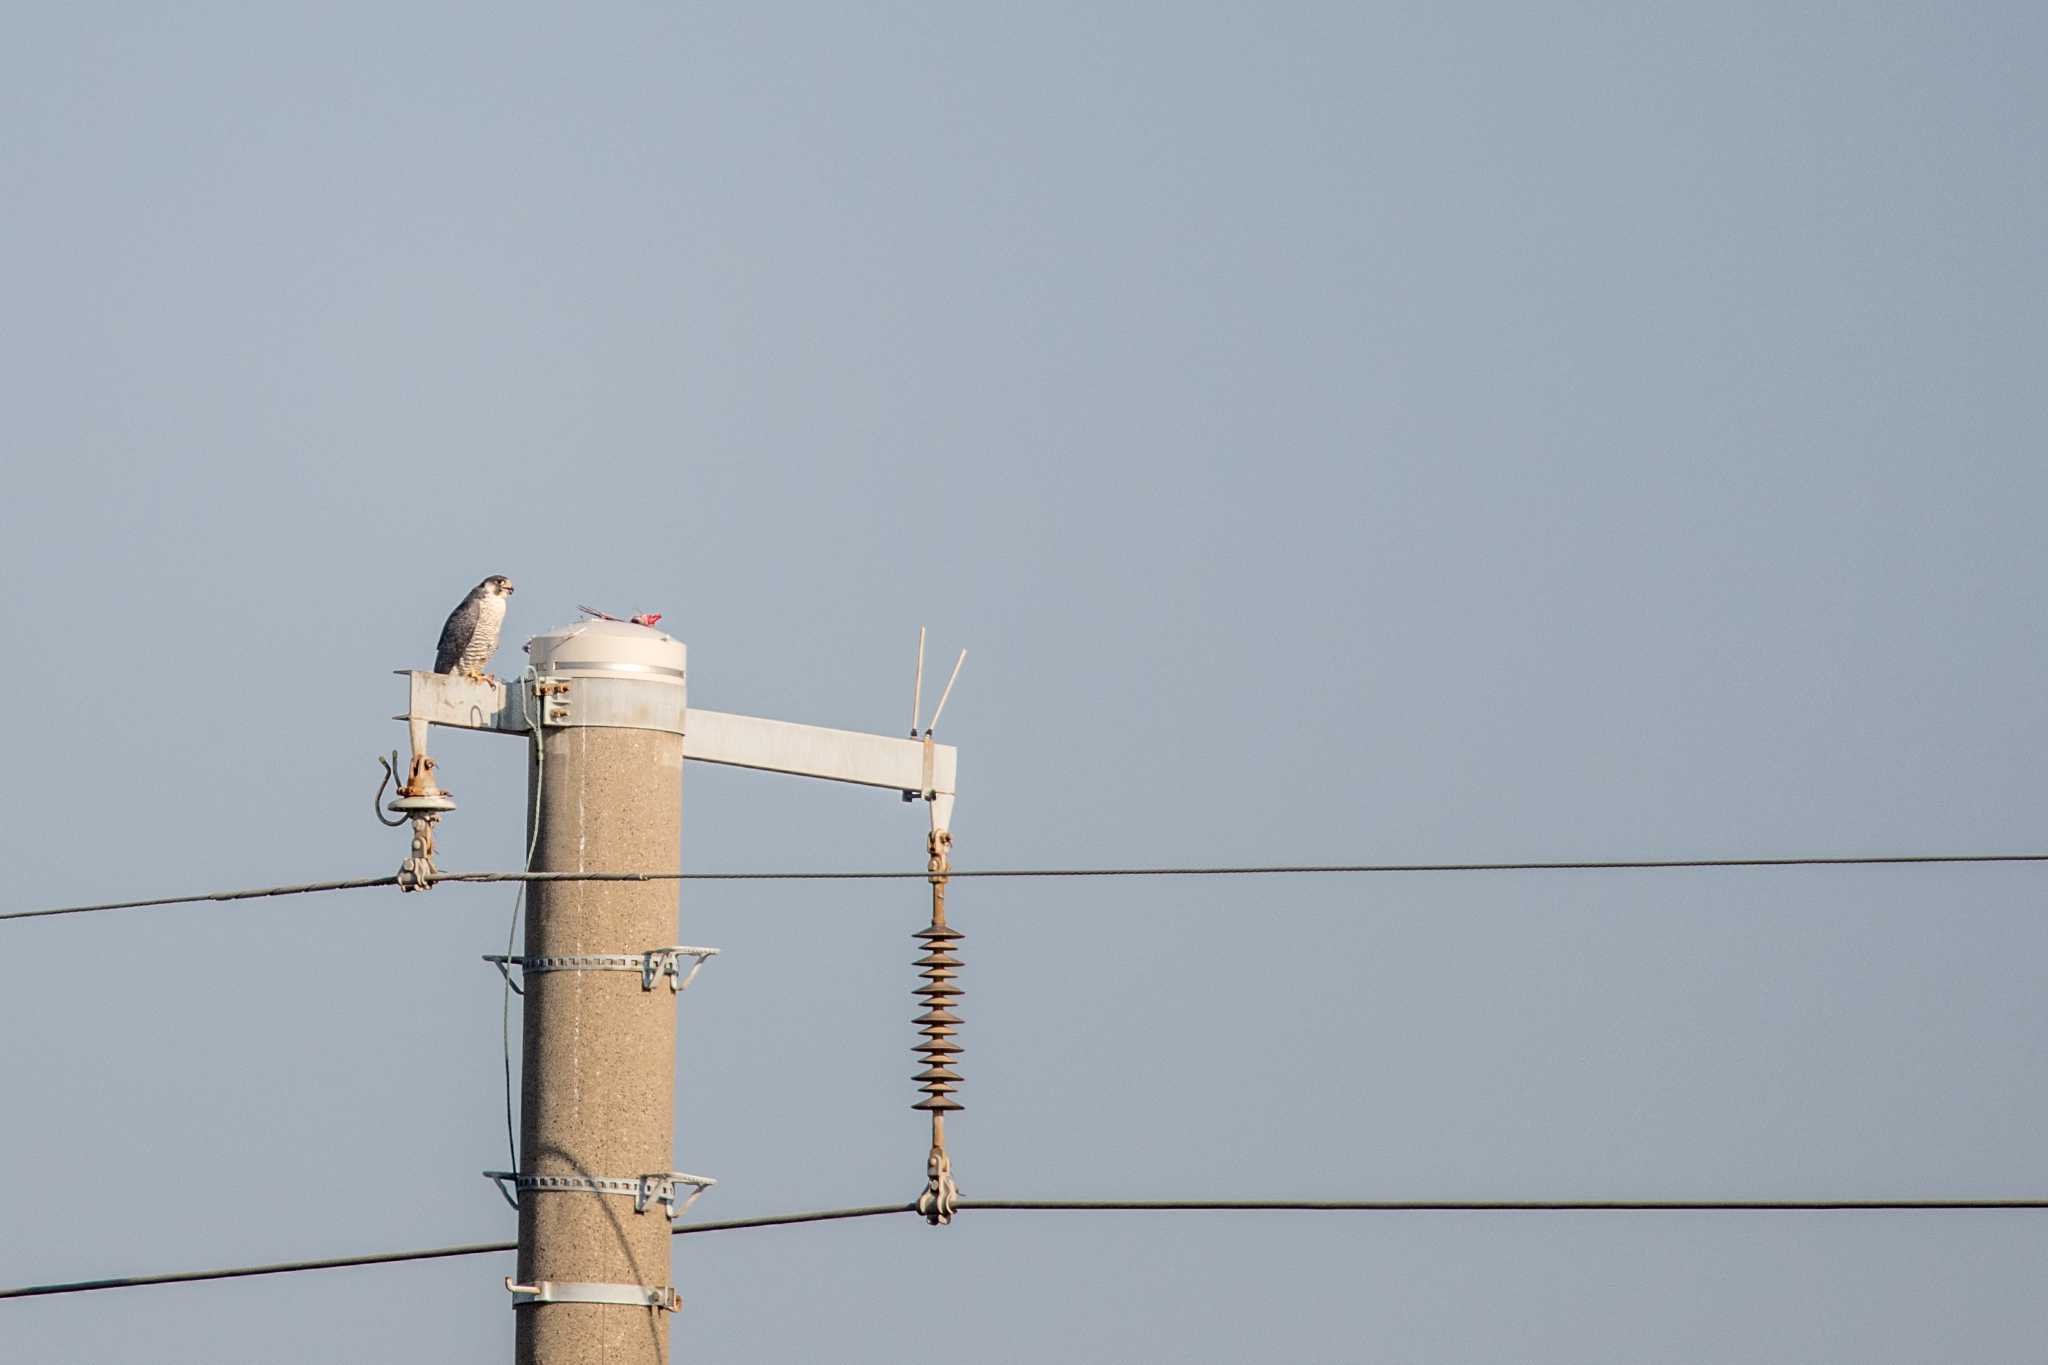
(455, 636)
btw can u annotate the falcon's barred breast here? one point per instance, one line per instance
(471, 635)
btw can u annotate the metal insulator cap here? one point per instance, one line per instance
(421, 805)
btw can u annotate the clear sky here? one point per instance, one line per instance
(1339, 432)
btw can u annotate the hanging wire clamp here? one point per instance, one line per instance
(656, 1188)
(418, 873)
(653, 965)
(662, 1298)
(940, 1193)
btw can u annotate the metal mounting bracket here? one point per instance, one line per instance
(645, 1190)
(653, 965)
(663, 1298)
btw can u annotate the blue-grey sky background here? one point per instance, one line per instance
(1339, 432)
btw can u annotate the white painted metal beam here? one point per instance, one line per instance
(778, 746)
(775, 746)
(445, 699)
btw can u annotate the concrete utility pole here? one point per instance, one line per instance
(598, 1093)
(601, 967)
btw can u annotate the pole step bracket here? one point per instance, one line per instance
(663, 1298)
(644, 1190)
(653, 965)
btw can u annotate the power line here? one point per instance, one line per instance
(241, 1271)
(1093, 1206)
(428, 1254)
(1278, 869)
(300, 889)
(1265, 870)
(778, 1220)
(1502, 1205)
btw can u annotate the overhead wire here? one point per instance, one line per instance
(1270, 869)
(1500, 1205)
(1085, 1206)
(1273, 869)
(299, 889)
(527, 877)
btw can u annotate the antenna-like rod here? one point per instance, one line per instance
(948, 692)
(917, 693)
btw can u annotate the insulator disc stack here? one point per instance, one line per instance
(939, 965)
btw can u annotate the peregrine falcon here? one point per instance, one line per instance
(471, 635)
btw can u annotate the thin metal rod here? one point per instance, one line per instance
(1097, 1206)
(1304, 869)
(917, 692)
(948, 692)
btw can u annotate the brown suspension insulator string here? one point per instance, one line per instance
(938, 1080)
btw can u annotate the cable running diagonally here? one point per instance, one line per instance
(1096, 1206)
(1277, 869)
(300, 889)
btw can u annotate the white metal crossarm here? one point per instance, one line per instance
(918, 766)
